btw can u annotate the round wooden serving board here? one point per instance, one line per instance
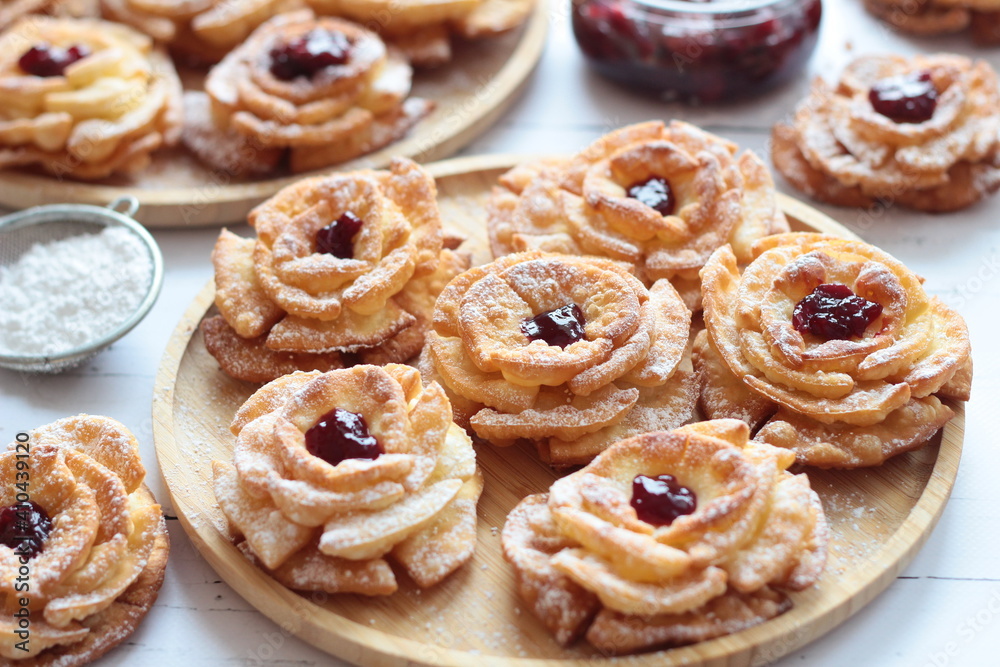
(879, 517)
(471, 92)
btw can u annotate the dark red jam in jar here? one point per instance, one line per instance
(560, 327)
(698, 51)
(660, 500)
(340, 435)
(834, 312)
(24, 528)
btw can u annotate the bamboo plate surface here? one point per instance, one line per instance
(471, 92)
(879, 517)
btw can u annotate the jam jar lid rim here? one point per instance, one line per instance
(730, 7)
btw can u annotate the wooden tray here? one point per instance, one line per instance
(176, 190)
(880, 517)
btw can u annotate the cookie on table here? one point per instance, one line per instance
(570, 353)
(832, 347)
(668, 538)
(660, 197)
(424, 29)
(336, 474)
(344, 269)
(918, 132)
(12, 10)
(314, 91)
(76, 511)
(86, 98)
(200, 32)
(939, 17)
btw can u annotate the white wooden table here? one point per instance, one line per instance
(943, 611)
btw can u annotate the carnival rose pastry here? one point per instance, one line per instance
(84, 98)
(12, 10)
(937, 17)
(661, 197)
(337, 473)
(423, 29)
(322, 90)
(74, 511)
(919, 132)
(571, 353)
(345, 264)
(668, 538)
(834, 344)
(201, 31)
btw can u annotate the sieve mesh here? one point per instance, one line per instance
(21, 231)
(17, 238)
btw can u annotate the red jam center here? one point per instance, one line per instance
(48, 60)
(661, 499)
(340, 435)
(655, 193)
(834, 312)
(24, 528)
(911, 98)
(308, 54)
(337, 238)
(561, 327)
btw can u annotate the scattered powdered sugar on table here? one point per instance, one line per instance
(852, 546)
(67, 293)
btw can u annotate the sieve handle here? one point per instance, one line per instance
(130, 204)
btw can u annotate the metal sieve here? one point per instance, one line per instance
(43, 224)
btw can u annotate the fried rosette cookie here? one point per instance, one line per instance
(835, 345)
(342, 264)
(661, 197)
(321, 90)
(919, 132)
(336, 473)
(571, 353)
(199, 31)
(84, 98)
(423, 29)
(938, 17)
(75, 515)
(668, 538)
(12, 10)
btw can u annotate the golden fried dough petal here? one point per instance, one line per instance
(251, 360)
(271, 536)
(347, 333)
(615, 633)
(723, 395)
(579, 416)
(310, 570)
(238, 294)
(432, 553)
(847, 446)
(657, 409)
(370, 535)
(530, 538)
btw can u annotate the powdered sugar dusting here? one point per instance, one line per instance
(67, 293)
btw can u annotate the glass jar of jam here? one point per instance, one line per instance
(698, 50)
